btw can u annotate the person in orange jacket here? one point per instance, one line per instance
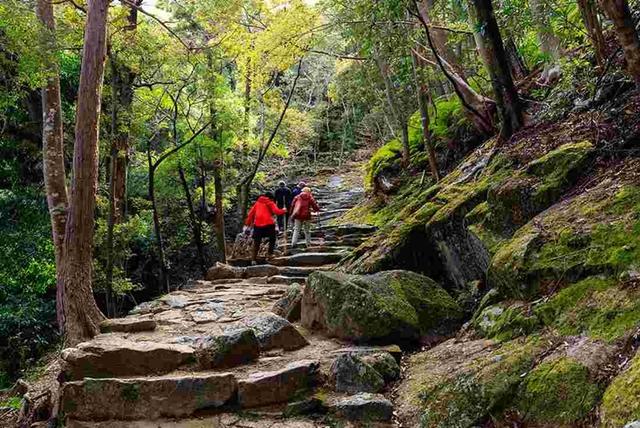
(261, 218)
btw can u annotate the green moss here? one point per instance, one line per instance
(597, 306)
(620, 402)
(555, 164)
(558, 393)
(596, 232)
(485, 386)
(506, 323)
(130, 392)
(14, 403)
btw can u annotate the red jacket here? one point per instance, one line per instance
(302, 205)
(262, 212)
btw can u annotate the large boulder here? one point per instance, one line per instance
(223, 271)
(227, 350)
(620, 403)
(110, 357)
(387, 306)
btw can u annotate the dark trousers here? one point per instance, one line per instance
(259, 233)
(282, 221)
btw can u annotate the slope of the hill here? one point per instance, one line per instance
(538, 238)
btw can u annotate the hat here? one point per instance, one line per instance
(282, 183)
(306, 190)
(302, 184)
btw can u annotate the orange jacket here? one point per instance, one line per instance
(262, 212)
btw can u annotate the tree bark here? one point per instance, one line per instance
(440, 38)
(81, 313)
(618, 11)
(53, 148)
(423, 104)
(164, 271)
(591, 21)
(479, 109)
(398, 117)
(195, 223)
(219, 218)
(506, 95)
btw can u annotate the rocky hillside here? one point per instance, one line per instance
(538, 240)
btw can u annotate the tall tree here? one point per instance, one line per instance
(591, 21)
(618, 11)
(81, 313)
(423, 102)
(122, 80)
(400, 119)
(505, 92)
(53, 145)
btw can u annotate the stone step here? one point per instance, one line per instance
(308, 259)
(318, 249)
(282, 279)
(264, 388)
(107, 356)
(303, 271)
(146, 397)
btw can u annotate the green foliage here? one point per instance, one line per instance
(27, 281)
(445, 115)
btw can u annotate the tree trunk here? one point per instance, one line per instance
(549, 42)
(164, 271)
(518, 68)
(440, 38)
(423, 104)
(398, 117)
(219, 219)
(195, 224)
(506, 95)
(81, 314)
(53, 148)
(479, 109)
(618, 11)
(591, 21)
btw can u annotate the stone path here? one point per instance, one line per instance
(228, 351)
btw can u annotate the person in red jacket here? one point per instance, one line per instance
(261, 218)
(301, 214)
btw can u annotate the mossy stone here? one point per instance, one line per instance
(620, 402)
(558, 393)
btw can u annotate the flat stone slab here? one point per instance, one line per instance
(128, 325)
(264, 388)
(145, 398)
(112, 356)
(363, 407)
(281, 279)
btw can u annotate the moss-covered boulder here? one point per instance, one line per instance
(388, 306)
(557, 393)
(505, 321)
(460, 383)
(595, 232)
(513, 202)
(620, 403)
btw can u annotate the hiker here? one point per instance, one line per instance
(301, 215)
(298, 189)
(261, 218)
(283, 200)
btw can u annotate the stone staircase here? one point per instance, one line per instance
(229, 351)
